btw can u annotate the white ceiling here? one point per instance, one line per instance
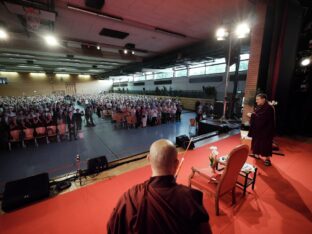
(197, 20)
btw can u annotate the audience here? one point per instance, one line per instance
(19, 113)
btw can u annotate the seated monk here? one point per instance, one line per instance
(160, 205)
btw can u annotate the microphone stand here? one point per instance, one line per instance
(182, 159)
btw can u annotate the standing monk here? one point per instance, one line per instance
(160, 205)
(262, 126)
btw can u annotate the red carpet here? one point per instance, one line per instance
(281, 202)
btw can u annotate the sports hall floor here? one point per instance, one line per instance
(103, 139)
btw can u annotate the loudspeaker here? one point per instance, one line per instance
(21, 192)
(96, 165)
(218, 109)
(183, 141)
(97, 4)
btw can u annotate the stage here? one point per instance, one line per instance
(280, 203)
(211, 125)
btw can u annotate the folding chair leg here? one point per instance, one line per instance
(36, 142)
(23, 144)
(58, 138)
(47, 140)
(10, 146)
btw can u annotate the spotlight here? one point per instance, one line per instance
(125, 51)
(98, 47)
(242, 30)
(51, 40)
(132, 52)
(221, 34)
(305, 62)
(3, 34)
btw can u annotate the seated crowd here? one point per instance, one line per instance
(133, 111)
(32, 117)
(23, 118)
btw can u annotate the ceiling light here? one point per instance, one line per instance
(242, 30)
(125, 51)
(37, 74)
(221, 34)
(51, 40)
(3, 34)
(305, 62)
(132, 52)
(62, 75)
(98, 47)
(84, 76)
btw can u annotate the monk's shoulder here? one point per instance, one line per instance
(187, 191)
(135, 191)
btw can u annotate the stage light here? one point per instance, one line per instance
(305, 62)
(98, 47)
(3, 34)
(221, 34)
(51, 40)
(242, 30)
(132, 52)
(125, 51)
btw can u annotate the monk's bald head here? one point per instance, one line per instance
(163, 157)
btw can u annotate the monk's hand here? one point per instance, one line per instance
(249, 114)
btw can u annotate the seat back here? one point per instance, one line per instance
(61, 129)
(51, 130)
(15, 135)
(236, 160)
(41, 130)
(29, 133)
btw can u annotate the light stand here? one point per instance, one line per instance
(227, 73)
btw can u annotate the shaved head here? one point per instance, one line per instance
(163, 158)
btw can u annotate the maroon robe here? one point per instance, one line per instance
(262, 125)
(159, 205)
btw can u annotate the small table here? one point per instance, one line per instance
(248, 174)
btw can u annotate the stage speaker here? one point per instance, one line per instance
(21, 192)
(183, 141)
(96, 165)
(218, 109)
(97, 4)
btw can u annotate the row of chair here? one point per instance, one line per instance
(34, 134)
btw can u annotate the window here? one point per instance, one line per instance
(139, 77)
(149, 75)
(243, 66)
(195, 71)
(212, 69)
(233, 68)
(180, 73)
(163, 75)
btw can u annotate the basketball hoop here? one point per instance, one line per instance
(32, 18)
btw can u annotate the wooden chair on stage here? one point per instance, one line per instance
(15, 137)
(29, 135)
(221, 184)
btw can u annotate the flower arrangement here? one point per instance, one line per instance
(273, 103)
(213, 155)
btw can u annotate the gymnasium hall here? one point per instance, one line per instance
(141, 116)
